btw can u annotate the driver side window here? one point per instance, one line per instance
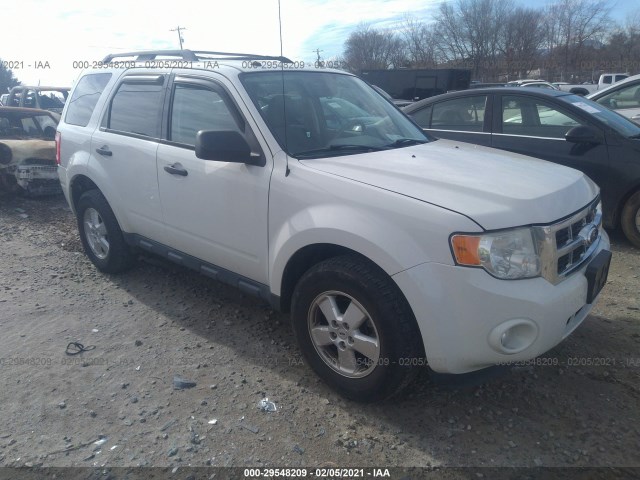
(197, 108)
(529, 116)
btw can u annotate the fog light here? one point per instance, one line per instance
(513, 336)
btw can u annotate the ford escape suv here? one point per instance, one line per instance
(305, 187)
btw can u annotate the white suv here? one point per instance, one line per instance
(307, 188)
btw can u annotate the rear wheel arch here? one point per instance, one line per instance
(79, 185)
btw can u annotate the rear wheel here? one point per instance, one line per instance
(100, 234)
(630, 219)
(356, 329)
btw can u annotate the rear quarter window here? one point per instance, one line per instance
(137, 109)
(85, 97)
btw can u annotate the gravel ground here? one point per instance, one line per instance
(575, 406)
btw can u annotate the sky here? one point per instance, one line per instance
(52, 39)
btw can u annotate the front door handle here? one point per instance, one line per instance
(104, 150)
(636, 117)
(176, 169)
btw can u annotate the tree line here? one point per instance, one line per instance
(569, 40)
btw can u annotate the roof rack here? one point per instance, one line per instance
(193, 55)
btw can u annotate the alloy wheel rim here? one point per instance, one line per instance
(343, 334)
(95, 231)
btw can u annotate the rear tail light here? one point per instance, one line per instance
(58, 140)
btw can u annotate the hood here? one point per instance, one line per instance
(22, 150)
(496, 189)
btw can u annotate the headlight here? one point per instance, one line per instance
(510, 254)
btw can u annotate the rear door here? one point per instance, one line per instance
(464, 118)
(123, 150)
(536, 126)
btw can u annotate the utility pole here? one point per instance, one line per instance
(179, 30)
(317, 51)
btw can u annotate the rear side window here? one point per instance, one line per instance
(466, 113)
(84, 98)
(137, 108)
(422, 117)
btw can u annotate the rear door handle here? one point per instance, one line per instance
(636, 117)
(104, 150)
(176, 169)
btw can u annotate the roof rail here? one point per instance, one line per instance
(193, 55)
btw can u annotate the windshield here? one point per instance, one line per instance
(617, 122)
(320, 114)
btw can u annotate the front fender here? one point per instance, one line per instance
(393, 242)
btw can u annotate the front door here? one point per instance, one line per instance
(213, 210)
(536, 127)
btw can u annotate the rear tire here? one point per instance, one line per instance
(630, 219)
(101, 235)
(356, 329)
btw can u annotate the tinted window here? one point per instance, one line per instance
(534, 117)
(194, 109)
(422, 117)
(84, 98)
(137, 108)
(465, 113)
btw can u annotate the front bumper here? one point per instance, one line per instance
(463, 312)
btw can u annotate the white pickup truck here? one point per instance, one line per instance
(605, 80)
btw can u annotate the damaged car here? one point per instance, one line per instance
(28, 151)
(45, 98)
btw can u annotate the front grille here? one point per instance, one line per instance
(568, 244)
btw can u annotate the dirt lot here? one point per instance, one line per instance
(579, 406)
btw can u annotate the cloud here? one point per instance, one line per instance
(77, 30)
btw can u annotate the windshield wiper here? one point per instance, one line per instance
(405, 142)
(340, 148)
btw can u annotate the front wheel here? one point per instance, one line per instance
(100, 234)
(630, 219)
(355, 329)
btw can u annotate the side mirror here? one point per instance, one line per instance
(225, 146)
(582, 134)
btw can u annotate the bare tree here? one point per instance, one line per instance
(473, 31)
(421, 43)
(523, 38)
(573, 25)
(368, 48)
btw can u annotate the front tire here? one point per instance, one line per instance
(630, 219)
(356, 329)
(101, 235)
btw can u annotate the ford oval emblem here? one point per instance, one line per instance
(591, 236)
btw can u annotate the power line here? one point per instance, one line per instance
(179, 30)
